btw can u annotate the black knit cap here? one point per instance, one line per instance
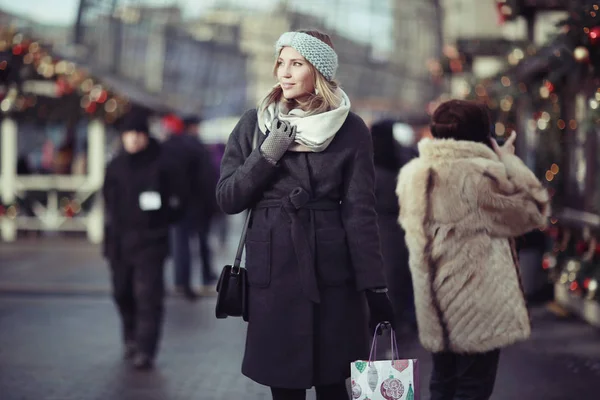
(461, 120)
(135, 121)
(191, 120)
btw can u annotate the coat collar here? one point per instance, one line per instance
(432, 149)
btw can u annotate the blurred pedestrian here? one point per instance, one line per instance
(389, 157)
(419, 122)
(219, 222)
(461, 203)
(209, 175)
(142, 197)
(312, 248)
(184, 147)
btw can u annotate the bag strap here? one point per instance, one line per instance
(240, 249)
(394, 345)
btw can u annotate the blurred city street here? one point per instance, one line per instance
(116, 121)
(60, 340)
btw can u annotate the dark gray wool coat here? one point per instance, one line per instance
(307, 315)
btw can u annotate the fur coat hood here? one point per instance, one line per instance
(461, 205)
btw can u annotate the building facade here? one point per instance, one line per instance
(146, 47)
(376, 85)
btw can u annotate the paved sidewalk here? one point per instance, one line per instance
(61, 344)
(69, 265)
(67, 348)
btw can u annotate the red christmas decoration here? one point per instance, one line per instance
(456, 65)
(581, 247)
(504, 11)
(103, 96)
(546, 262)
(69, 213)
(91, 108)
(63, 87)
(594, 35)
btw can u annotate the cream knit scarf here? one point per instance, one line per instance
(314, 132)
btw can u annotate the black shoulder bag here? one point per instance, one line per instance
(232, 287)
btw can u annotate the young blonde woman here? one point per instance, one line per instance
(312, 247)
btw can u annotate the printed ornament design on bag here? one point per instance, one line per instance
(392, 388)
(372, 377)
(400, 365)
(411, 394)
(394, 379)
(356, 390)
(384, 380)
(361, 366)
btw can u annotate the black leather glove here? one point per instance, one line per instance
(279, 139)
(380, 309)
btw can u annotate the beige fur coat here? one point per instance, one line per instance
(460, 206)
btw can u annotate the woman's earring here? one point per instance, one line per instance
(316, 91)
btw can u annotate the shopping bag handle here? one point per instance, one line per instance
(394, 344)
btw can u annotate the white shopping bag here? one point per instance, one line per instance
(385, 379)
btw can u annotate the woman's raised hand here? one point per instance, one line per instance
(279, 139)
(507, 148)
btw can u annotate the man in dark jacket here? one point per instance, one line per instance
(194, 158)
(142, 198)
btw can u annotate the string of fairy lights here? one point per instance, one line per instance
(43, 74)
(530, 94)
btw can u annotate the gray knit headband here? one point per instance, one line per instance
(316, 52)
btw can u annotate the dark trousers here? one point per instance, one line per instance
(182, 260)
(138, 291)
(329, 392)
(208, 276)
(463, 376)
(399, 278)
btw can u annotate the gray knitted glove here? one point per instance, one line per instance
(279, 139)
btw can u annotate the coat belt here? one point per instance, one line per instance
(300, 199)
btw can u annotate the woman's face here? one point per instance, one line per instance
(294, 74)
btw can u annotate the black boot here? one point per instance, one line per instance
(142, 361)
(129, 350)
(186, 292)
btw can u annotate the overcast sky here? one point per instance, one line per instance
(64, 11)
(368, 20)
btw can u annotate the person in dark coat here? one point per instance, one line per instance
(312, 247)
(389, 157)
(185, 147)
(219, 221)
(142, 198)
(209, 177)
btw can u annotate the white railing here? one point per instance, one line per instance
(50, 217)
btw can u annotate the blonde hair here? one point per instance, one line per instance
(325, 97)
